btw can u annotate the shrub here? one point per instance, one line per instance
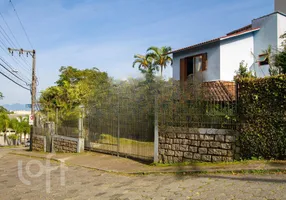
(13, 137)
(262, 114)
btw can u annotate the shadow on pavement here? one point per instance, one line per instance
(181, 170)
(253, 178)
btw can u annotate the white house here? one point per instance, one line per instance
(219, 58)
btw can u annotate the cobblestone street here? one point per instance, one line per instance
(83, 183)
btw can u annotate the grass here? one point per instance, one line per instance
(218, 164)
(128, 147)
(108, 139)
(12, 146)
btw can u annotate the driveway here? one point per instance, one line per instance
(27, 178)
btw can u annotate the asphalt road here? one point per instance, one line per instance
(27, 178)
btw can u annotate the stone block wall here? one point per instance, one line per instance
(64, 144)
(39, 143)
(186, 144)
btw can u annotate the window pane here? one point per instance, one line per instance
(262, 58)
(190, 69)
(198, 63)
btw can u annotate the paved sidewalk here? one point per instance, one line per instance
(27, 178)
(109, 163)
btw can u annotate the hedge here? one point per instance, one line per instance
(262, 117)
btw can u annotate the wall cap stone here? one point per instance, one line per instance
(65, 138)
(184, 130)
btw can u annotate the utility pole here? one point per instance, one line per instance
(33, 92)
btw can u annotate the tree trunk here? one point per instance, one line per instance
(5, 138)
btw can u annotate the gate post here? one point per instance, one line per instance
(80, 121)
(80, 126)
(118, 126)
(156, 131)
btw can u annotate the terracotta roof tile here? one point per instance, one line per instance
(245, 28)
(196, 45)
(219, 91)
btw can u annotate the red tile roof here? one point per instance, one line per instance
(245, 28)
(220, 91)
(239, 33)
(196, 45)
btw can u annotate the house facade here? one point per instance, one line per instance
(219, 58)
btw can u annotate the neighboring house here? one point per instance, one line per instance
(219, 58)
(17, 115)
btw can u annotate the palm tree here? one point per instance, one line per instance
(160, 56)
(273, 70)
(142, 62)
(145, 66)
(4, 124)
(24, 127)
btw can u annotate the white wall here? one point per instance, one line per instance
(213, 70)
(281, 20)
(267, 35)
(232, 52)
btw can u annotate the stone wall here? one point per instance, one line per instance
(185, 144)
(67, 144)
(39, 143)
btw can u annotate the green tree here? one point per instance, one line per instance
(284, 41)
(280, 57)
(160, 56)
(280, 61)
(20, 126)
(3, 110)
(75, 87)
(145, 66)
(270, 56)
(243, 71)
(4, 122)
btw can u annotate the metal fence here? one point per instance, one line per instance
(204, 105)
(58, 126)
(123, 124)
(69, 128)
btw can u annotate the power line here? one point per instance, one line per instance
(5, 47)
(11, 68)
(14, 58)
(6, 36)
(14, 81)
(12, 71)
(10, 42)
(9, 29)
(24, 60)
(24, 76)
(11, 33)
(21, 24)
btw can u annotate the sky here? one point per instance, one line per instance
(107, 33)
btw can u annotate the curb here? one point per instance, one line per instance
(182, 172)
